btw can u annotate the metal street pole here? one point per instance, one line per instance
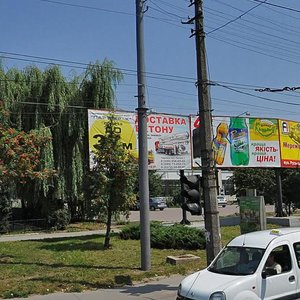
(279, 207)
(211, 216)
(142, 144)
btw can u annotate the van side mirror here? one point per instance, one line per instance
(268, 272)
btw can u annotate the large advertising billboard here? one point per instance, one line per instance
(243, 142)
(174, 144)
(168, 137)
(289, 134)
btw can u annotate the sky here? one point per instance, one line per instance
(251, 47)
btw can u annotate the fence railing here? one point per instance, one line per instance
(28, 225)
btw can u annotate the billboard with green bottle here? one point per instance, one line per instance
(245, 142)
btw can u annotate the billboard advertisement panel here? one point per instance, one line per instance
(169, 146)
(243, 142)
(246, 142)
(289, 133)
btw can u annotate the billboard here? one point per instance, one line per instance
(243, 142)
(289, 134)
(174, 144)
(168, 136)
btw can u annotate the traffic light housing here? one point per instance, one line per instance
(191, 193)
(196, 143)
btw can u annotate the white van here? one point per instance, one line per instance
(222, 201)
(241, 271)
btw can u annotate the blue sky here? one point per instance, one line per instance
(258, 50)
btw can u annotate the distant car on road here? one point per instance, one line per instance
(154, 203)
(222, 201)
(157, 203)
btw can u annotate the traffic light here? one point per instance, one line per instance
(191, 193)
(196, 143)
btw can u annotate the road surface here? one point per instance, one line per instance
(174, 215)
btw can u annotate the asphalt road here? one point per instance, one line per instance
(174, 215)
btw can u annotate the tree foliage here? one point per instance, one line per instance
(264, 181)
(56, 108)
(20, 162)
(112, 178)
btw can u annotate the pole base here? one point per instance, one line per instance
(185, 222)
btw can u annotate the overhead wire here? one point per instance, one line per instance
(278, 6)
(278, 23)
(259, 97)
(190, 80)
(235, 19)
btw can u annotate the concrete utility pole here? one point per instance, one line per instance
(279, 207)
(142, 136)
(211, 214)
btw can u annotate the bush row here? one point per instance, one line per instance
(168, 237)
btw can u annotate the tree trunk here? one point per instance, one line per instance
(108, 228)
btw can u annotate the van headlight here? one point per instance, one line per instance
(179, 290)
(179, 297)
(217, 296)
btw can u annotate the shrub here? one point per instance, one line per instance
(168, 237)
(5, 213)
(59, 219)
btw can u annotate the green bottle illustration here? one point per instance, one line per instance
(239, 142)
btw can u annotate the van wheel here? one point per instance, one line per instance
(161, 209)
(152, 208)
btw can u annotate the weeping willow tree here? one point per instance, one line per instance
(55, 107)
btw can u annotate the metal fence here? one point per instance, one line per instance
(28, 225)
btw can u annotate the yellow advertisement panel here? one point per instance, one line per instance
(289, 133)
(168, 137)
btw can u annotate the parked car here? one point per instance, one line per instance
(154, 203)
(222, 201)
(157, 203)
(244, 270)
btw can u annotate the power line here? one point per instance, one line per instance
(272, 90)
(235, 19)
(279, 6)
(278, 24)
(88, 7)
(259, 97)
(81, 65)
(163, 11)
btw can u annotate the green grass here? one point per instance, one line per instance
(77, 264)
(81, 263)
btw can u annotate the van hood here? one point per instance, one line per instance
(202, 284)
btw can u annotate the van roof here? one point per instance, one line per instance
(261, 239)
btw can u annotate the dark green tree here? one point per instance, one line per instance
(155, 184)
(44, 100)
(112, 180)
(263, 180)
(20, 162)
(291, 189)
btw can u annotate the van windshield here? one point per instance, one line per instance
(237, 261)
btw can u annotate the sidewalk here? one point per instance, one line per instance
(161, 289)
(56, 235)
(43, 235)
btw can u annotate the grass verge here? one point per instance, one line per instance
(81, 263)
